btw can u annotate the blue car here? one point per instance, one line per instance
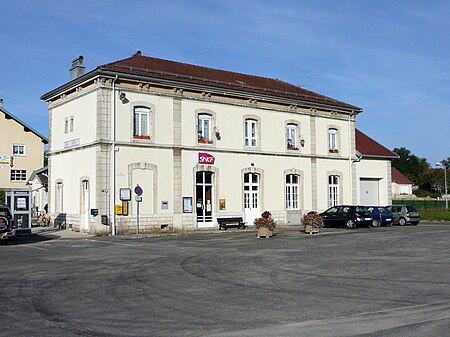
(380, 216)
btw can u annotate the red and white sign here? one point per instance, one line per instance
(206, 158)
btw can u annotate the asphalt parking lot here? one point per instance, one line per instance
(391, 281)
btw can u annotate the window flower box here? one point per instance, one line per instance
(292, 148)
(204, 141)
(147, 137)
(333, 151)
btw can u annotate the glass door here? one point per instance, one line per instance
(251, 197)
(204, 198)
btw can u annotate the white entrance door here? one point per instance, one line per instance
(85, 211)
(204, 198)
(251, 197)
(369, 192)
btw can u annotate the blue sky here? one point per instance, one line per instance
(391, 58)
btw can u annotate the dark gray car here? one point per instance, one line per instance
(7, 224)
(405, 214)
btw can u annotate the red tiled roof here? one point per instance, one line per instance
(399, 178)
(370, 148)
(182, 72)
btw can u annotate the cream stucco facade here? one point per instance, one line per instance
(21, 150)
(94, 152)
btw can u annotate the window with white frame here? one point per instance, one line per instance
(71, 123)
(291, 137)
(333, 190)
(332, 140)
(141, 123)
(18, 175)
(251, 133)
(19, 150)
(292, 191)
(204, 129)
(66, 124)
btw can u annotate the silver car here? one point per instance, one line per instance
(405, 214)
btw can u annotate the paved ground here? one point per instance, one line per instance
(366, 282)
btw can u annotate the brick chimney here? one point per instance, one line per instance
(77, 68)
(1, 103)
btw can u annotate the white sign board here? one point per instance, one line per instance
(71, 143)
(21, 203)
(6, 161)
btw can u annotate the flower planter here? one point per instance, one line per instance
(264, 232)
(311, 229)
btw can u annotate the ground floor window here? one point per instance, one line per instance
(333, 190)
(292, 190)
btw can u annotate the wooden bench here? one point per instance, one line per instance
(224, 223)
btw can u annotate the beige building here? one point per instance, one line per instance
(201, 144)
(21, 151)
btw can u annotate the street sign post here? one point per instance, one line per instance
(138, 191)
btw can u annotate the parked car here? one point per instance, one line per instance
(345, 215)
(405, 214)
(7, 224)
(380, 216)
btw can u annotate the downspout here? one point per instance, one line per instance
(113, 220)
(350, 155)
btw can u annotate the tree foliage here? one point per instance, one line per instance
(410, 165)
(430, 182)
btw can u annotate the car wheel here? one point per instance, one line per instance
(351, 224)
(376, 223)
(402, 221)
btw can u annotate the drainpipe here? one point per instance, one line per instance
(113, 220)
(350, 155)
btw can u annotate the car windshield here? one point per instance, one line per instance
(411, 209)
(384, 210)
(361, 209)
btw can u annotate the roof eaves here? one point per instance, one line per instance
(377, 156)
(70, 84)
(208, 87)
(25, 125)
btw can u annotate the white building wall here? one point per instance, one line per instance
(83, 111)
(151, 163)
(375, 169)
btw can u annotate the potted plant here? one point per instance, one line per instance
(265, 225)
(312, 222)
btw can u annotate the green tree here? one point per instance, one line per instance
(411, 166)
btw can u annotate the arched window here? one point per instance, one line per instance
(292, 191)
(141, 123)
(333, 140)
(291, 137)
(251, 133)
(204, 128)
(333, 190)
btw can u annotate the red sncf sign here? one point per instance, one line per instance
(205, 158)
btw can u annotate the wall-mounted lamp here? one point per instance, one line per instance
(302, 142)
(217, 132)
(123, 97)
